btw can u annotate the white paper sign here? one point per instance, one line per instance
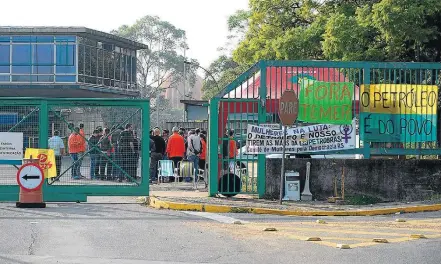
(11, 146)
(315, 138)
(272, 126)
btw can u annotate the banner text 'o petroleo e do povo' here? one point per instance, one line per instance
(314, 138)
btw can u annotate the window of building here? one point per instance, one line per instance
(43, 62)
(62, 39)
(5, 57)
(66, 78)
(65, 60)
(21, 58)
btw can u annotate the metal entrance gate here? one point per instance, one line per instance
(104, 170)
(411, 130)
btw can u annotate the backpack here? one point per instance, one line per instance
(197, 152)
(105, 143)
(115, 137)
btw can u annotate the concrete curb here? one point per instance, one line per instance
(156, 203)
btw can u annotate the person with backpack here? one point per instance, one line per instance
(193, 150)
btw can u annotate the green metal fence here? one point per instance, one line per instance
(103, 159)
(395, 108)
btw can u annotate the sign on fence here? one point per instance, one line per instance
(46, 159)
(315, 138)
(326, 102)
(11, 146)
(272, 126)
(399, 112)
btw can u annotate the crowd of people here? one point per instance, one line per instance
(179, 146)
(114, 152)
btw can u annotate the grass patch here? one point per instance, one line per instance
(361, 200)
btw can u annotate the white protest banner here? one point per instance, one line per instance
(315, 138)
(11, 146)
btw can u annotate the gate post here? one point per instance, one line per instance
(261, 167)
(43, 131)
(43, 117)
(145, 147)
(213, 142)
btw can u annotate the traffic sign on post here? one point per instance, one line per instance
(288, 112)
(30, 177)
(288, 108)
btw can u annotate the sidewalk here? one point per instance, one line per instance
(199, 201)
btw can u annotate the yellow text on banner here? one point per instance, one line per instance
(404, 99)
(46, 158)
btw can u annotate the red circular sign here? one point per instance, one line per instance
(30, 177)
(288, 108)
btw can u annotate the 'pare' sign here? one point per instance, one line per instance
(288, 108)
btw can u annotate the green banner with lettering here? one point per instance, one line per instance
(326, 102)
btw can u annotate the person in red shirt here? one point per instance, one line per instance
(203, 155)
(82, 147)
(232, 150)
(175, 147)
(74, 143)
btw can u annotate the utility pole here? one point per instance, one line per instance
(185, 79)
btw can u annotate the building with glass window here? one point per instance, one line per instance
(66, 62)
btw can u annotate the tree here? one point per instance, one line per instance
(381, 30)
(224, 70)
(162, 66)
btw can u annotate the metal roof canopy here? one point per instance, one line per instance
(77, 31)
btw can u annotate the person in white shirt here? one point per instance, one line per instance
(57, 144)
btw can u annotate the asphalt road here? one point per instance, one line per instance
(131, 233)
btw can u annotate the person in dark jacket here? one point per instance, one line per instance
(157, 154)
(225, 148)
(106, 148)
(116, 157)
(94, 152)
(126, 151)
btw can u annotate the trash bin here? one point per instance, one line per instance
(229, 184)
(292, 186)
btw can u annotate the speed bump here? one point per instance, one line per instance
(270, 229)
(313, 239)
(400, 220)
(418, 236)
(380, 240)
(343, 246)
(321, 222)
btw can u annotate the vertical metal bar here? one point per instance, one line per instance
(261, 175)
(282, 170)
(145, 143)
(213, 142)
(43, 135)
(367, 81)
(43, 116)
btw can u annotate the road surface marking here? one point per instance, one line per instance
(217, 217)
